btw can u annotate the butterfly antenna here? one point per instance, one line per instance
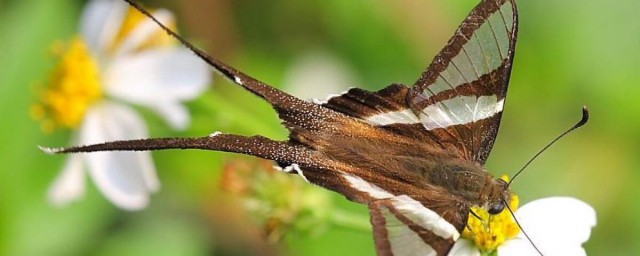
(520, 226)
(585, 118)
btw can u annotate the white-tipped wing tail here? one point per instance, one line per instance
(49, 150)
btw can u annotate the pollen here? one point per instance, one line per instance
(73, 87)
(490, 231)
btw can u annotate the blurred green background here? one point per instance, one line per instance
(570, 53)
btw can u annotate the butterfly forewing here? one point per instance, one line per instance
(461, 95)
(457, 102)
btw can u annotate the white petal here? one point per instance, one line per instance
(142, 32)
(101, 21)
(174, 113)
(125, 178)
(522, 247)
(69, 185)
(557, 226)
(317, 74)
(517, 247)
(157, 76)
(464, 247)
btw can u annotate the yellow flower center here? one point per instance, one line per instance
(75, 84)
(490, 231)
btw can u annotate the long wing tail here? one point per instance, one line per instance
(292, 110)
(304, 120)
(282, 152)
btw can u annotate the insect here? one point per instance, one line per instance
(413, 154)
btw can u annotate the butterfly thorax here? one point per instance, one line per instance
(471, 182)
(462, 178)
(495, 195)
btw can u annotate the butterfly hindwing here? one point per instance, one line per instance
(404, 226)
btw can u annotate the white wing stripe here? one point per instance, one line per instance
(487, 46)
(453, 79)
(405, 116)
(501, 29)
(329, 97)
(506, 11)
(402, 239)
(455, 111)
(425, 217)
(363, 186)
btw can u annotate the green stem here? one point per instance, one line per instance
(492, 253)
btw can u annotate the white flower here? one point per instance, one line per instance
(119, 58)
(557, 226)
(318, 74)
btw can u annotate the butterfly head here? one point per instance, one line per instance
(498, 196)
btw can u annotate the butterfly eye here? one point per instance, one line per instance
(496, 208)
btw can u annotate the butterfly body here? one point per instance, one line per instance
(396, 162)
(382, 154)
(413, 154)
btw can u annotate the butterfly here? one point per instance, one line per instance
(413, 154)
